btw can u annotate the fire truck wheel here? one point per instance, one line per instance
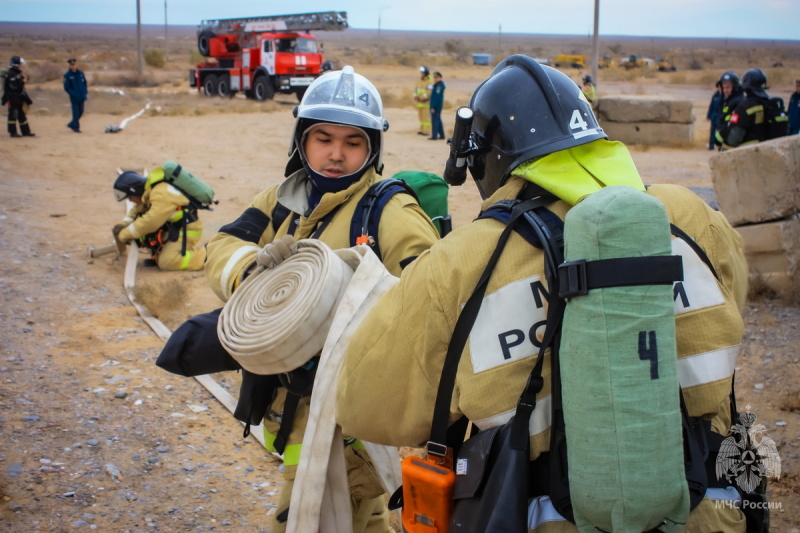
(210, 85)
(300, 92)
(224, 86)
(263, 89)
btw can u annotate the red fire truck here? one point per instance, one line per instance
(262, 55)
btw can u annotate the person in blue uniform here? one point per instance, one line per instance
(76, 88)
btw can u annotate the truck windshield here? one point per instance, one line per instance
(300, 45)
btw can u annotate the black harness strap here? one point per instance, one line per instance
(287, 421)
(576, 278)
(678, 232)
(462, 330)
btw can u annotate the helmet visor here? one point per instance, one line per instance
(120, 195)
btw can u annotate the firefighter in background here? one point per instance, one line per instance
(75, 86)
(388, 381)
(589, 90)
(162, 220)
(747, 123)
(422, 97)
(732, 96)
(712, 116)
(335, 156)
(16, 98)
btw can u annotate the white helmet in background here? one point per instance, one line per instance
(340, 97)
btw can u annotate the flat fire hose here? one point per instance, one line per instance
(116, 129)
(164, 333)
(279, 319)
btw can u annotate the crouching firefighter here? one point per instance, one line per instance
(537, 155)
(162, 219)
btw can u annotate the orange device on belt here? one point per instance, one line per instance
(427, 495)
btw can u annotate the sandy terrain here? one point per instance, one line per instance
(94, 435)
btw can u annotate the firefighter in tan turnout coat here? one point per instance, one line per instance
(335, 157)
(388, 383)
(422, 99)
(160, 219)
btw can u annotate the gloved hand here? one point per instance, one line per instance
(117, 228)
(276, 252)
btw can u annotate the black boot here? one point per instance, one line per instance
(26, 130)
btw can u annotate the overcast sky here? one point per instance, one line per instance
(751, 19)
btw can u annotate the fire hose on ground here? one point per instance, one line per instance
(309, 304)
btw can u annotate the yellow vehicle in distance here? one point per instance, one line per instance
(667, 63)
(607, 62)
(633, 61)
(574, 61)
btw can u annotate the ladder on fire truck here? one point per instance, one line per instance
(322, 21)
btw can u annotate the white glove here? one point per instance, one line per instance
(276, 252)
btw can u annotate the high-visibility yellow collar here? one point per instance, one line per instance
(575, 173)
(154, 177)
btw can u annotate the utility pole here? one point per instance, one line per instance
(380, 49)
(139, 35)
(595, 48)
(166, 38)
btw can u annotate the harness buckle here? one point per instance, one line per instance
(572, 279)
(441, 454)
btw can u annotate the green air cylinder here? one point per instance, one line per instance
(188, 183)
(431, 190)
(619, 375)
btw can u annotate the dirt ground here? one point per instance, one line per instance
(95, 436)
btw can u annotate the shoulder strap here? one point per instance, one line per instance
(367, 216)
(279, 214)
(678, 232)
(463, 327)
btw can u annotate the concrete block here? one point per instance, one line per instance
(758, 182)
(644, 109)
(773, 254)
(650, 133)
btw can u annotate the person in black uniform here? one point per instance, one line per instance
(732, 95)
(17, 99)
(748, 122)
(713, 113)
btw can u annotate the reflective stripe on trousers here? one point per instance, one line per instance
(291, 454)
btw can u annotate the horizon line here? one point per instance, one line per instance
(429, 31)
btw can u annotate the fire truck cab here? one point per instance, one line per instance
(262, 55)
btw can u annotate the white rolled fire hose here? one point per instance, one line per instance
(276, 321)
